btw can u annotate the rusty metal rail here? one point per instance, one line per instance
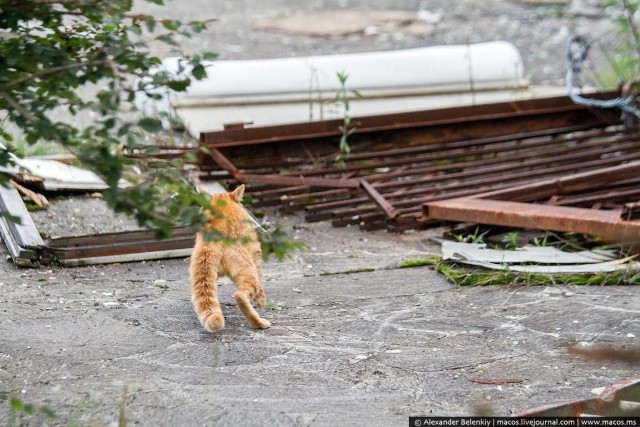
(400, 162)
(510, 207)
(272, 148)
(117, 247)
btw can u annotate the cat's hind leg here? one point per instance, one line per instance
(242, 298)
(245, 275)
(203, 270)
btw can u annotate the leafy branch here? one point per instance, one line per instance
(92, 58)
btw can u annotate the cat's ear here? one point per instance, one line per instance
(238, 193)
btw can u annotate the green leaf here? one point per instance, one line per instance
(210, 56)
(199, 72)
(179, 85)
(190, 157)
(167, 39)
(11, 218)
(170, 24)
(124, 129)
(151, 25)
(197, 26)
(150, 124)
(151, 150)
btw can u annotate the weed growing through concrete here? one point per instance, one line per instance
(270, 305)
(475, 237)
(347, 127)
(464, 276)
(122, 409)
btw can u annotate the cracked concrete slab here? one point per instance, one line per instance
(353, 340)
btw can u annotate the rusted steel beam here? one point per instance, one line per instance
(296, 198)
(290, 180)
(378, 199)
(496, 175)
(133, 246)
(509, 158)
(484, 184)
(566, 184)
(271, 196)
(341, 216)
(542, 137)
(429, 155)
(510, 161)
(318, 139)
(278, 192)
(223, 161)
(444, 116)
(609, 195)
(117, 247)
(630, 211)
(602, 223)
(549, 136)
(608, 403)
(481, 149)
(107, 239)
(523, 149)
(405, 172)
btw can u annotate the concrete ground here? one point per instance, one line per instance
(355, 340)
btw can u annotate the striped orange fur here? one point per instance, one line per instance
(241, 262)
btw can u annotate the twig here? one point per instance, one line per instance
(36, 198)
(54, 70)
(34, 120)
(14, 104)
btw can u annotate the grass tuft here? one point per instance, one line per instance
(473, 276)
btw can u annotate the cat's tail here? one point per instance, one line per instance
(204, 291)
(212, 321)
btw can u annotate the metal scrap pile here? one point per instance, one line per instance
(578, 164)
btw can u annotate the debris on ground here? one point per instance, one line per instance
(532, 259)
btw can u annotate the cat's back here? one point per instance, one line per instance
(231, 218)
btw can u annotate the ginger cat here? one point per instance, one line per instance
(241, 262)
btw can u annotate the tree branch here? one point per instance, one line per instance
(54, 70)
(33, 119)
(14, 104)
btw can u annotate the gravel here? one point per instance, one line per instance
(540, 29)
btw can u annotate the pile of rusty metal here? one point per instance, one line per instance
(543, 163)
